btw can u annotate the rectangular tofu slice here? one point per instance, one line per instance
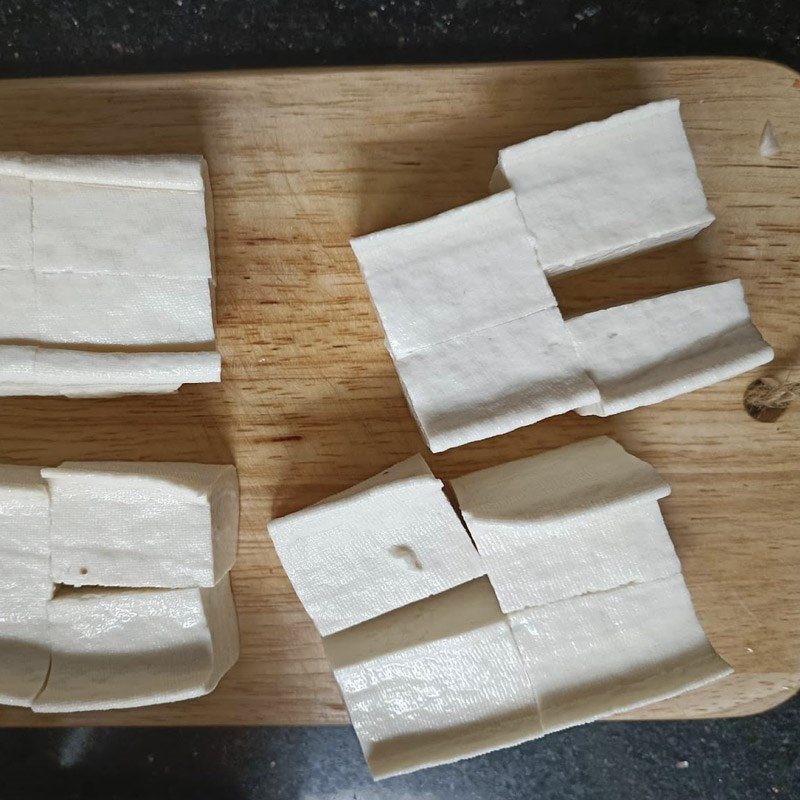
(434, 682)
(652, 350)
(582, 518)
(25, 585)
(15, 218)
(494, 381)
(138, 524)
(27, 370)
(457, 273)
(603, 653)
(607, 189)
(124, 311)
(386, 542)
(122, 648)
(118, 230)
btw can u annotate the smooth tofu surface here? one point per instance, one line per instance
(434, 682)
(15, 217)
(459, 272)
(19, 321)
(589, 475)
(123, 310)
(531, 562)
(126, 648)
(117, 230)
(607, 189)
(594, 655)
(382, 544)
(25, 585)
(142, 524)
(494, 381)
(652, 350)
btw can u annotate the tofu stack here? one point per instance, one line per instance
(116, 590)
(584, 612)
(106, 275)
(475, 333)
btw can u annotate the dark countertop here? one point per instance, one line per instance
(756, 757)
(47, 37)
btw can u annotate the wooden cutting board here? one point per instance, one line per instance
(302, 160)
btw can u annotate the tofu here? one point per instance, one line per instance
(133, 647)
(652, 350)
(382, 544)
(582, 518)
(123, 311)
(434, 682)
(494, 381)
(142, 524)
(603, 653)
(15, 213)
(106, 252)
(25, 585)
(28, 370)
(471, 323)
(604, 190)
(457, 273)
(120, 231)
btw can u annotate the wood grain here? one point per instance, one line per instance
(303, 160)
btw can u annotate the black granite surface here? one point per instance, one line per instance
(45, 37)
(757, 757)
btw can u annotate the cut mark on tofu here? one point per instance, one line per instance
(407, 554)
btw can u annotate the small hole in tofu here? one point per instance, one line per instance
(406, 554)
(84, 571)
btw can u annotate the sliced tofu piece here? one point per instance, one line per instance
(177, 172)
(123, 310)
(28, 370)
(652, 350)
(494, 381)
(120, 231)
(386, 542)
(135, 647)
(25, 585)
(607, 189)
(15, 213)
(19, 320)
(139, 524)
(608, 652)
(459, 272)
(434, 682)
(582, 518)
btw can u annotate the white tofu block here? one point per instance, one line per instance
(25, 585)
(582, 518)
(607, 189)
(28, 370)
(594, 474)
(123, 311)
(386, 542)
(136, 647)
(15, 219)
(19, 321)
(600, 654)
(456, 273)
(139, 524)
(494, 381)
(651, 350)
(171, 171)
(434, 682)
(119, 231)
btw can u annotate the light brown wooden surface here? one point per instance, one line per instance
(301, 161)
